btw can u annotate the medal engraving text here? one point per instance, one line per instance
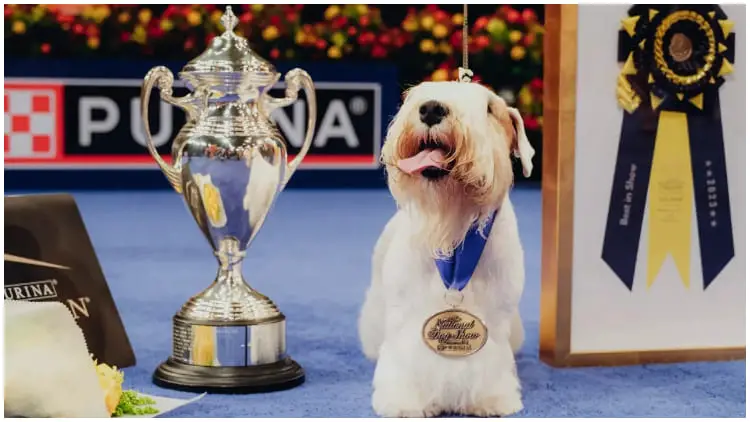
(454, 333)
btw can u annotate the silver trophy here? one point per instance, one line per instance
(229, 162)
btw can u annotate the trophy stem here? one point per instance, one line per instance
(229, 338)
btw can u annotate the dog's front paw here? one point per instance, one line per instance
(494, 406)
(390, 404)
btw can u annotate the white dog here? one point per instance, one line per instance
(447, 154)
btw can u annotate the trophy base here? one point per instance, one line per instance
(282, 375)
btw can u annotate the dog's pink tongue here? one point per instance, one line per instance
(424, 159)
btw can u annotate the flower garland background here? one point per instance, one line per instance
(505, 43)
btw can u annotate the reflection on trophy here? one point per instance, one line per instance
(229, 162)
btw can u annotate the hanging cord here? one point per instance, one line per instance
(464, 73)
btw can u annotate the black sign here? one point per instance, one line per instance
(49, 257)
(104, 120)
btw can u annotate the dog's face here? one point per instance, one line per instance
(447, 154)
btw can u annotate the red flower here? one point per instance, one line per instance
(246, 17)
(378, 51)
(482, 41)
(513, 16)
(291, 17)
(65, 18)
(275, 53)
(364, 20)
(384, 39)
(45, 48)
(530, 122)
(528, 15)
(338, 22)
(171, 10)
(275, 20)
(440, 15)
(528, 39)
(431, 8)
(92, 31)
(536, 84)
(456, 39)
(8, 11)
(320, 44)
(124, 37)
(351, 31)
(481, 22)
(366, 38)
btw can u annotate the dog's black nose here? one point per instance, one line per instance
(432, 112)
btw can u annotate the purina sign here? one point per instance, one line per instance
(96, 124)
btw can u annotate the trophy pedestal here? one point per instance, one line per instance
(282, 375)
(229, 357)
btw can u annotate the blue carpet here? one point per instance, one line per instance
(313, 258)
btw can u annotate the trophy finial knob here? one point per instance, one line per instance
(229, 20)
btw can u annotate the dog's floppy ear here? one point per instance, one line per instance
(521, 146)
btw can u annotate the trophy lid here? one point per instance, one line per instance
(229, 63)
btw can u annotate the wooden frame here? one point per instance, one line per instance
(560, 69)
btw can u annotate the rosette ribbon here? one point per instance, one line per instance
(671, 152)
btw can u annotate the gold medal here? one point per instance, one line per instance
(454, 333)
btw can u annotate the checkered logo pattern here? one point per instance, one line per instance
(30, 123)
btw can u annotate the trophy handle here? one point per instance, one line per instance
(297, 79)
(165, 79)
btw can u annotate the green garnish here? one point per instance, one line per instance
(132, 403)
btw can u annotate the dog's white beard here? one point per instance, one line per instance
(443, 214)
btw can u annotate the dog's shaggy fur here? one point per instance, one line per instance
(478, 134)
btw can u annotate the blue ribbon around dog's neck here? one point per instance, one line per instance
(457, 269)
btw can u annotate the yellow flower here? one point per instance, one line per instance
(166, 25)
(428, 22)
(496, 26)
(144, 16)
(331, 12)
(338, 38)
(515, 36)
(257, 8)
(540, 121)
(289, 53)
(101, 12)
(524, 97)
(440, 75)
(270, 33)
(427, 46)
(517, 53)
(194, 18)
(93, 43)
(458, 19)
(440, 31)
(445, 48)
(18, 27)
(300, 37)
(37, 12)
(123, 17)
(110, 381)
(334, 52)
(410, 25)
(139, 34)
(88, 12)
(216, 16)
(361, 9)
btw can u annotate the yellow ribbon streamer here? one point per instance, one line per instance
(671, 198)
